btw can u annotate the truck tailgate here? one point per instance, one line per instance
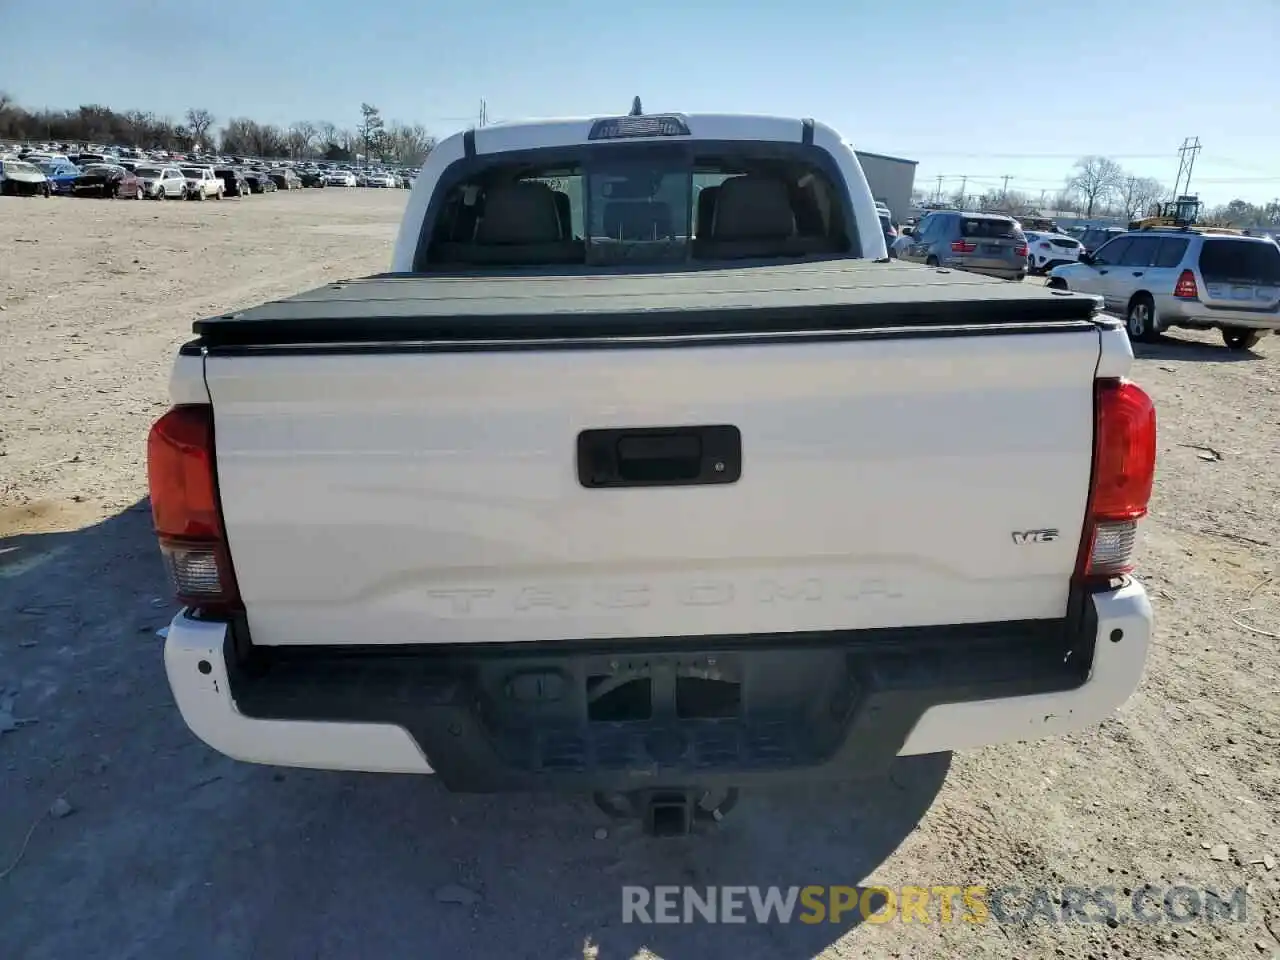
(420, 497)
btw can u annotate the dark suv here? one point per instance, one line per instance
(986, 243)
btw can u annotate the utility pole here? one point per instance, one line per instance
(1004, 191)
(937, 195)
(964, 182)
(1186, 163)
(484, 113)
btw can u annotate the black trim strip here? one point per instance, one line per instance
(806, 132)
(543, 322)
(651, 342)
(469, 143)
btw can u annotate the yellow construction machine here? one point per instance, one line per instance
(1181, 213)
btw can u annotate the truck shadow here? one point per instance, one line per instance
(1170, 346)
(171, 841)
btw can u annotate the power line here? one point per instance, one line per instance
(1186, 163)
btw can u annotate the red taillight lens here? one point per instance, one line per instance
(963, 246)
(1020, 250)
(1185, 288)
(1124, 466)
(185, 509)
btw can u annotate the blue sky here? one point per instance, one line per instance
(981, 88)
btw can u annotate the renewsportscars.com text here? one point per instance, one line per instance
(1147, 904)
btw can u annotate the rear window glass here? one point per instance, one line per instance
(1170, 252)
(1252, 261)
(997, 229)
(603, 207)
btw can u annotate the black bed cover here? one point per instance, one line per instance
(794, 298)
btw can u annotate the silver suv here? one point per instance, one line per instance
(1158, 279)
(986, 243)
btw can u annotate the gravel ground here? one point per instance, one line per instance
(157, 847)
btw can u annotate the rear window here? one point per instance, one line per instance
(1254, 261)
(1171, 252)
(989, 228)
(605, 206)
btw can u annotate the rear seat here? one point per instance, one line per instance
(522, 222)
(519, 213)
(752, 216)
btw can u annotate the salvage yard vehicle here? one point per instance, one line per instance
(202, 183)
(162, 183)
(234, 183)
(21, 179)
(62, 174)
(608, 489)
(259, 181)
(991, 244)
(1183, 277)
(1048, 250)
(107, 180)
(285, 179)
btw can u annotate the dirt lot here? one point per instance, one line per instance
(172, 851)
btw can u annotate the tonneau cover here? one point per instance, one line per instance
(573, 302)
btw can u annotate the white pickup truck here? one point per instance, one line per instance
(646, 473)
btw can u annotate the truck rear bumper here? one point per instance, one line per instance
(734, 711)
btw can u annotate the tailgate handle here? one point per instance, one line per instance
(659, 456)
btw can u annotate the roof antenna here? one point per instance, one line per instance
(635, 107)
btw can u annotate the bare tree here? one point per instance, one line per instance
(199, 121)
(1136, 195)
(372, 131)
(6, 101)
(302, 137)
(1095, 179)
(408, 144)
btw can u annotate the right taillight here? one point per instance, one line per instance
(1185, 288)
(1124, 467)
(186, 511)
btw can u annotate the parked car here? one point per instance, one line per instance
(162, 183)
(312, 178)
(202, 183)
(234, 183)
(1048, 250)
(889, 230)
(107, 180)
(285, 179)
(62, 174)
(379, 179)
(1157, 279)
(259, 181)
(1091, 238)
(21, 179)
(987, 243)
(339, 178)
(800, 557)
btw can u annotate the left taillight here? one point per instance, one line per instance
(186, 512)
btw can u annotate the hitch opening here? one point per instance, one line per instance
(669, 814)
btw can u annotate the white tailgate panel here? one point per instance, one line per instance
(413, 498)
